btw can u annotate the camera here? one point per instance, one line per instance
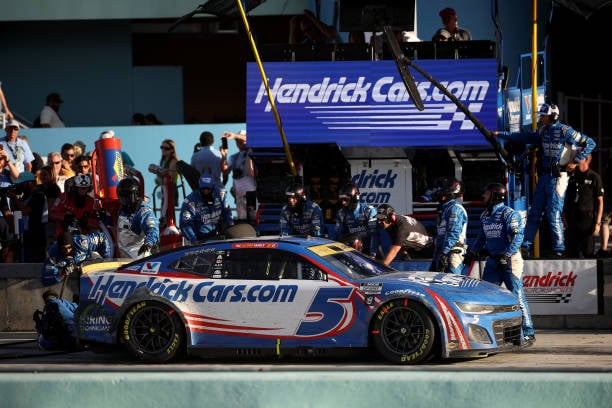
(224, 142)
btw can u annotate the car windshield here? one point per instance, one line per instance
(357, 265)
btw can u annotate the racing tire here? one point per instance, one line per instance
(242, 230)
(153, 332)
(404, 332)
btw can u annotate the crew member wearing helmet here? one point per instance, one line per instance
(71, 250)
(501, 236)
(449, 245)
(558, 144)
(75, 209)
(137, 225)
(356, 222)
(406, 232)
(300, 216)
(205, 213)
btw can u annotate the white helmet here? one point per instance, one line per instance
(549, 109)
(82, 180)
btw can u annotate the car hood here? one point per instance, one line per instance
(451, 286)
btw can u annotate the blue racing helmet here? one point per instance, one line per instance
(206, 181)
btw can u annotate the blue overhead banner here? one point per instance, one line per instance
(365, 103)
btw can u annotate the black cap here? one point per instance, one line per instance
(54, 97)
(49, 293)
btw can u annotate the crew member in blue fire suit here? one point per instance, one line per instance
(137, 225)
(449, 244)
(559, 145)
(300, 216)
(501, 236)
(205, 213)
(71, 250)
(356, 223)
(56, 328)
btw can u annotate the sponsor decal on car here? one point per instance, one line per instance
(151, 267)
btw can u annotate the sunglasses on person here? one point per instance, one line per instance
(165, 147)
(57, 162)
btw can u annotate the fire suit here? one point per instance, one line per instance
(83, 248)
(449, 245)
(204, 219)
(307, 220)
(360, 222)
(135, 229)
(501, 235)
(558, 142)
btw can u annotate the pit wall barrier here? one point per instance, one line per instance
(306, 389)
(21, 294)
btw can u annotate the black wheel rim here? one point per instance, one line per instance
(152, 330)
(403, 330)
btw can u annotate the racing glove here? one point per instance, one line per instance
(444, 262)
(144, 248)
(503, 260)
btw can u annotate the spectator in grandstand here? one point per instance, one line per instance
(451, 30)
(47, 184)
(82, 164)
(138, 119)
(166, 171)
(555, 142)
(68, 156)
(151, 119)
(19, 152)
(5, 108)
(205, 213)
(583, 209)
(501, 236)
(244, 187)
(356, 223)
(33, 205)
(49, 115)
(406, 233)
(80, 148)
(208, 160)
(450, 242)
(300, 216)
(8, 172)
(308, 29)
(54, 159)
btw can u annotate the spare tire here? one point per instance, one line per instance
(242, 230)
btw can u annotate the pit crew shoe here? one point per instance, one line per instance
(528, 340)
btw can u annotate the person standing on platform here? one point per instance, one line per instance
(557, 144)
(583, 209)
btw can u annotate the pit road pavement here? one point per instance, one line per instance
(554, 351)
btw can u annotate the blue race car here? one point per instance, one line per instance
(288, 296)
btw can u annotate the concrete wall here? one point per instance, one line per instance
(306, 389)
(21, 293)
